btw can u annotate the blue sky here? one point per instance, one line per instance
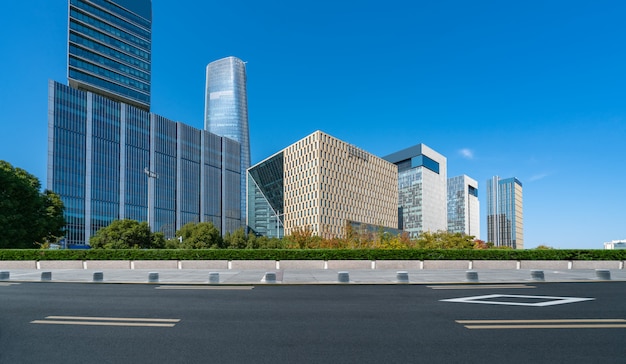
(528, 89)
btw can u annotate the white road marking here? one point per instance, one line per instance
(544, 324)
(481, 286)
(107, 321)
(226, 288)
(545, 300)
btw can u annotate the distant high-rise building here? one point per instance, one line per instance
(422, 189)
(226, 109)
(110, 49)
(109, 158)
(505, 217)
(322, 184)
(463, 206)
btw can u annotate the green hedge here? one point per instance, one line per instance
(310, 254)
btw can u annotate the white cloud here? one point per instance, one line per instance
(537, 177)
(466, 153)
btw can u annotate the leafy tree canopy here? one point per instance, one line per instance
(127, 234)
(27, 215)
(200, 235)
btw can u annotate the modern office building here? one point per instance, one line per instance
(615, 244)
(322, 184)
(505, 217)
(110, 158)
(422, 199)
(463, 206)
(109, 49)
(226, 109)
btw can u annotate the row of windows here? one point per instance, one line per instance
(110, 41)
(107, 16)
(140, 42)
(108, 62)
(99, 82)
(109, 52)
(129, 82)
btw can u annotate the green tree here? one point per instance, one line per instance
(127, 234)
(202, 235)
(237, 240)
(444, 240)
(27, 216)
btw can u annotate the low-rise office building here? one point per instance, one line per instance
(321, 184)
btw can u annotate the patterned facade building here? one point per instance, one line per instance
(505, 216)
(422, 198)
(322, 184)
(110, 158)
(463, 206)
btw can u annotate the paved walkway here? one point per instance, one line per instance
(308, 276)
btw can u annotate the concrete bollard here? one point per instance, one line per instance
(270, 277)
(153, 277)
(402, 277)
(46, 276)
(343, 277)
(537, 275)
(603, 274)
(214, 278)
(4, 275)
(98, 276)
(471, 276)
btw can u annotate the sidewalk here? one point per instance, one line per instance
(310, 276)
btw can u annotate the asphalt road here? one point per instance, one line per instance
(143, 323)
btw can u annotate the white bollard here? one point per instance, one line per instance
(402, 277)
(214, 278)
(343, 277)
(153, 277)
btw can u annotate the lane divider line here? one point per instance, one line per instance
(217, 288)
(107, 321)
(481, 286)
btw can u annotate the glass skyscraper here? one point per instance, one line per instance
(110, 49)
(110, 158)
(226, 109)
(422, 190)
(505, 217)
(463, 206)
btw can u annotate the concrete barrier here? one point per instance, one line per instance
(270, 277)
(603, 274)
(5, 275)
(204, 264)
(545, 264)
(46, 276)
(214, 278)
(18, 264)
(343, 277)
(154, 264)
(494, 264)
(398, 264)
(153, 277)
(98, 276)
(537, 275)
(107, 264)
(446, 264)
(349, 264)
(471, 276)
(596, 264)
(402, 277)
(60, 264)
(253, 264)
(301, 264)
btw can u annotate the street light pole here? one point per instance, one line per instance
(151, 177)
